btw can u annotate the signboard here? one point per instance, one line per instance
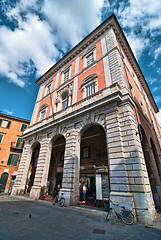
(98, 187)
(105, 188)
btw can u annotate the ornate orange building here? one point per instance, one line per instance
(11, 145)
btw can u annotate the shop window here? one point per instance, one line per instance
(85, 152)
(13, 159)
(5, 123)
(23, 127)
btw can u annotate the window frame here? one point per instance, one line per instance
(12, 162)
(87, 83)
(89, 51)
(65, 100)
(48, 88)
(23, 124)
(1, 138)
(8, 124)
(43, 109)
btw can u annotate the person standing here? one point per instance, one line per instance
(84, 193)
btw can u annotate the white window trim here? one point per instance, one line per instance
(42, 109)
(47, 87)
(2, 137)
(86, 54)
(91, 79)
(64, 70)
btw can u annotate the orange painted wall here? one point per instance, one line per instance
(10, 136)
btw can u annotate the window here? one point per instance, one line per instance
(66, 75)
(89, 56)
(23, 127)
(19, 143)
(65, 100)
(13, 159)
(5, 123)
(89, 85)
(90, 59)
(42, 111)
(90, 89)
(48, 89)
(42, 114)
(1, 137)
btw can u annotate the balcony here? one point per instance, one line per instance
(17, 146)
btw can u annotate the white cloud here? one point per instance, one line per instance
(159, 116)
(64, 22)
(157, 52)
(8, 112)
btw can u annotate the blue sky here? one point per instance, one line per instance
(34, 34)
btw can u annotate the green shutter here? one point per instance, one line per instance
(0, 122)
(23, 127)
(15, 159)
(8, 125)
(23, 142)
(1, 136)
(18, 143)
(9, 159)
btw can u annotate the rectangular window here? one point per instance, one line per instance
(23, 127)
(5, 123)
(65, 103)
(42, 115)
(19, 143)
(13, 159)
(90, 89)
(48, 89)
(66, 75)
(1, 137)
(90, 59)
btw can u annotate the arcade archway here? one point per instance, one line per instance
(93, 154)
(56, 164)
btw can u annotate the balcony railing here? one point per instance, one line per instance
(17, 145)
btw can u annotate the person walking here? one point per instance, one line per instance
(84, 193)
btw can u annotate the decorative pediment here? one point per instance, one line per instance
(89, 78)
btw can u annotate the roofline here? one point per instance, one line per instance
(14, 118)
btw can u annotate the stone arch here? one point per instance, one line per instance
(56, 164)
(156, 156)
(3, 181)
(34, 155)
(149, 164)
(93, 155)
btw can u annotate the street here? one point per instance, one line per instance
(21, 218)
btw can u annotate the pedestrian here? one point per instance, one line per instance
(84, 193)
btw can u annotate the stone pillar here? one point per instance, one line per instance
(20, 183)
(119, 182)
(137, 175)
(41, 170)
(70, 182)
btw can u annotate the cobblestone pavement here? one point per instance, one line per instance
(21, 218)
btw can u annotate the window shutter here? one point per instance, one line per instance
(16, 157)
(18, 143)
(9, 159)
(0, 122)
(23, 142)
(8, 125)
(1, 136)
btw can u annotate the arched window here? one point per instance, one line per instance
(89, 85)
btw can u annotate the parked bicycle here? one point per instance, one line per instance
(121, 212)
(60, 200)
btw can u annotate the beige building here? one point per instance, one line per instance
(94, 123)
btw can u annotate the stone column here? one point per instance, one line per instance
(20, 183)
(70, 182)
(138, 179)
(41, 170)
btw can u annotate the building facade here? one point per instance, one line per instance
(11, 146)
(94, 109)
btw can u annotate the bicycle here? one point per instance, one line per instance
(60, 200)
(121, 212)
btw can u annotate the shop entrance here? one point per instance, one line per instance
(93, 154)
(55, 175)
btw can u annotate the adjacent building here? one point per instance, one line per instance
(94, 123)
(11, 146)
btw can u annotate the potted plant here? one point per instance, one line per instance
(42, 193)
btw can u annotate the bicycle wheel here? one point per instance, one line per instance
(128, 218)
(61, 202)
